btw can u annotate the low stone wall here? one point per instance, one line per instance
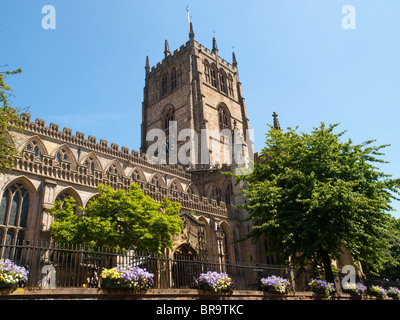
(160, 294)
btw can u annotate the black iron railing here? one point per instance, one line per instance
(53, 265)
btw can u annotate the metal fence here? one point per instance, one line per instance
(65, 266)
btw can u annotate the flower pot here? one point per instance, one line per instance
(4, 285)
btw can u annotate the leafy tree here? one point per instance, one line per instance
(312, 195)
(9, 120)
(118, 219)
(391, 268)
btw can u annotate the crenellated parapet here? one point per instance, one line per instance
(123, 153)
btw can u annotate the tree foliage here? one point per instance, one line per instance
(313, 195)
(118, 219)
(10, 120)
(391, 268)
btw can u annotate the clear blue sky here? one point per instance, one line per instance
(294, 58)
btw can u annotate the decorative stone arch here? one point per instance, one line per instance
(191, 190)
(91, 161)
(91, 198)
(18, 212)
(175, 185)
(137, 174)
(32, 143)
(114, 171)
(184, 273)
(69, 192)
(157, 180)
(214, 192)
(185, 250)
(229, 250)
(31, 188)
(64, 153)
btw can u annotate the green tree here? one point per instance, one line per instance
(312, 195)
(118, 219)
(10, 120)
(391, 268)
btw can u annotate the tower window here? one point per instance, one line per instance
(223, 118)
(207, 71)
(230, 85)
(164, 85)
(214, 72)
(173, 78)
(222, 81)
(169, 116)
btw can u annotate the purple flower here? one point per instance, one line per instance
(213, 280)
(275, 284)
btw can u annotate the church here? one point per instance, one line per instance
(191, 89)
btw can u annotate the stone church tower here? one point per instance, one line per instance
(195, 89)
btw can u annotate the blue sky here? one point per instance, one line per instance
(294, 58)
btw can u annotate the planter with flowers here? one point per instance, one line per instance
(321, 288)
(354, 289)
(377, 291)
(11, 274)
(275, 284)
(126, 277)
(213, 281)
(393, 292)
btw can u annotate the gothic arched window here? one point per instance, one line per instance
(89, 163)
(230, 85)
(173, 78)
(207, 71)
(62, 197)
(222, 81)
(169, 116)
(223, 117)
(14, 208)
(61, 155)
(214, 72)
(34, 147)
(164, 84)
(215, 193)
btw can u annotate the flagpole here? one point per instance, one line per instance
(188, 17)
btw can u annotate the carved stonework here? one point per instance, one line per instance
(193, 234)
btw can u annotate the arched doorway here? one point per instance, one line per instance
(184, 267)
